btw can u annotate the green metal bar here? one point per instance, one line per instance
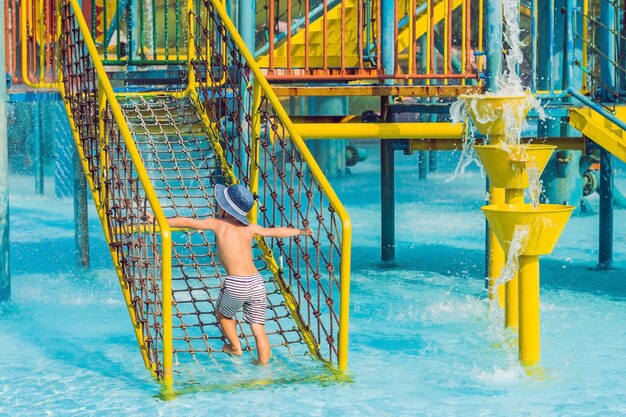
(154, 31)
(167, 30)
(142, 51)
(178, 29)
(131, 28)
(35, 137)
(5, 277)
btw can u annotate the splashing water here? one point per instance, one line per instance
(468, 156)
(510, 268)
(535, 185)
(509, 84)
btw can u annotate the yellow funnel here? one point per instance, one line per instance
(508, 169)
(490, 112)
(545, 223)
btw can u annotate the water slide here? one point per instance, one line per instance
(162, 152)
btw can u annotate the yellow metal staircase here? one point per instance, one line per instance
(601, 130)
(162, 152)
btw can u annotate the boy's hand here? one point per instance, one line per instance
(306, 232)
(150, 217)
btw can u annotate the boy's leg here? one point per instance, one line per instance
(262, 343)
(229, 329)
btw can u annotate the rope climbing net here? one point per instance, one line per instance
(177, 148)
(118, 193)
(259, 147)
(183, 168)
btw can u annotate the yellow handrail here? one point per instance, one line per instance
(298, 142)
(166, 256)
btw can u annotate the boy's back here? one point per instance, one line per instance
(234, 247)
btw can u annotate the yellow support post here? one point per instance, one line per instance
(529, 336)
(254, 149)
(496, 254)
(512, 196)
(191, 44)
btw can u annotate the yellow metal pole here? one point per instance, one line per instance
(529, 345)
(191, 45)
(496, 253)
(254, 149)
(512, 196)
(380, 130)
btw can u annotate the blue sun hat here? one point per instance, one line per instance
(236, 200)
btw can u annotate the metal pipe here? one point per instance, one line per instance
(35, 135)
(493, 43)
(605, 250)
(387, 197)
(246, 11)
(5, 277)
(388, 27)
(417, 130)
(551, 47)
(568, 53)
(607, 72)
(422, 165)
(81, 231)
(432, 161)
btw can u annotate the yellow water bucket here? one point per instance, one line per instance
(544, 225)
(509, 168)
(490, 113)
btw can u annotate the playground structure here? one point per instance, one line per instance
(160, 116)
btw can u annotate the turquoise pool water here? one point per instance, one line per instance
(424, 340)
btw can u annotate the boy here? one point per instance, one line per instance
(243, 287)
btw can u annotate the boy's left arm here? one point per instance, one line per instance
(281, 232)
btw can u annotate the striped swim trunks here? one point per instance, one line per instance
(247, 292)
